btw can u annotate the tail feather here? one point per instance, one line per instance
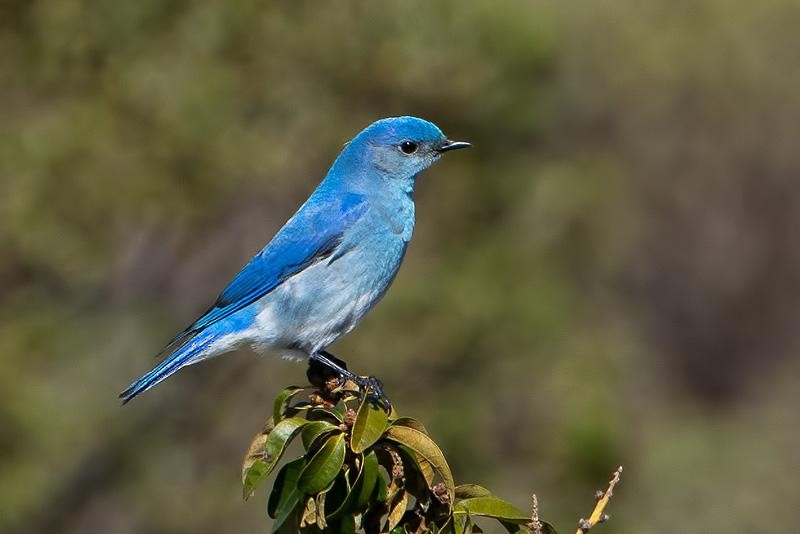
(186, 354)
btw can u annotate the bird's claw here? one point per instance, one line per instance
(372, 386)
(331, 375)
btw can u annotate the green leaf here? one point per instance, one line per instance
(425, 449)
(290, 524)
(362, 489)
(339, 410)
(314, 430)
(491, 507)
(450, 527)
(281, 400)
(337, 494)
(255, 454)
(323, 414)
(371, 519)
(367, 481)
(369, 425)
(265, 452)
(346, 525)
(409, 422)
(285, 496)
(324, 466)
(256, 473)
(277, 440)
(468, 491)
(381, 491)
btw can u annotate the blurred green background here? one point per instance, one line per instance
(611, 275)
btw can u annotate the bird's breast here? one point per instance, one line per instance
(328, 299)
(397, 213)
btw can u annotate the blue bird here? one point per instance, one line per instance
(329, 264)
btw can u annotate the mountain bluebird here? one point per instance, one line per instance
(328, 265)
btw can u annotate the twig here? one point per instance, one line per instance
(584, 525)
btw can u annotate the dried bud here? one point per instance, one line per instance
(584, 525)
(397, 471)
(440, 492)
(331, 384)
(350, 417)
(599, 494)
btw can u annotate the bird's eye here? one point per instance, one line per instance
(408, 147)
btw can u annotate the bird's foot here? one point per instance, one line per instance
(372, 386)
(331, 375)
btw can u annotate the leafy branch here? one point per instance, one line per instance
(365, 470)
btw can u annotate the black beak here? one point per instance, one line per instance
(452, 145)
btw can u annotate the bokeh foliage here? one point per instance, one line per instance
(610, 275)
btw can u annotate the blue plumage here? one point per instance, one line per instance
(329, 264)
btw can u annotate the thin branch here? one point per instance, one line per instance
(535, 525)
(584, 525)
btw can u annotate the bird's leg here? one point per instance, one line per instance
(323, 365)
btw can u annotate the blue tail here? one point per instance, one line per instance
(186, 354)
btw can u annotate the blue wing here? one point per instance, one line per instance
(314, 233)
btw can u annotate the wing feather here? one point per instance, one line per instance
(314, 233)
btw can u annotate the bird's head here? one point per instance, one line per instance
(399, 148)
